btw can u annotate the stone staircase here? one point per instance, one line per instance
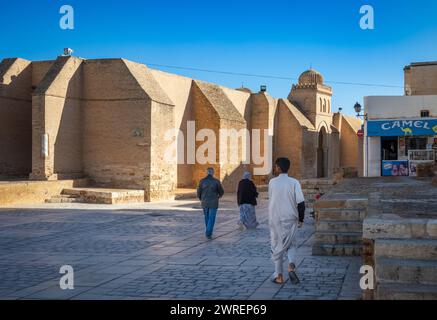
(313, 187)
(339, 226)
(406, 269)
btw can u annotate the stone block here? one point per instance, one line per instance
(406, 271)
(406, 249)
(337, 250)
(35, 191)
(394, 291)
(339, 226)
(338, 238)
(342, 215)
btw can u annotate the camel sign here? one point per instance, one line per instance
(399, 128)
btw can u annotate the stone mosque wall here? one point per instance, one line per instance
(108, 120)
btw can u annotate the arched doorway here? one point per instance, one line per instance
(322, 154)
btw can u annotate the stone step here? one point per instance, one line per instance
(341, 214)
(63, 196)
(337, 250)
(65, 199)
(309, 197)
(185, 194)
(406, 271)
(396, 291)
(106, 196)
(339, 226)
(406, 249)
(347, 203)
(306, 184)
(338, 238)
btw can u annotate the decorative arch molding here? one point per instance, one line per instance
(323, 124)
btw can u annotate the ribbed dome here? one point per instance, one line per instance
(311, 77)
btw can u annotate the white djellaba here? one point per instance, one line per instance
(285, 193)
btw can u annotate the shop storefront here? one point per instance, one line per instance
(404, 144)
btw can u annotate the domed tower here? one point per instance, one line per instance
(313, 98)
(311, 77)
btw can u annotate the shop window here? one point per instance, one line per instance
(415, 143)
(424, 113)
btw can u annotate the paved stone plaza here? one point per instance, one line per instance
(156, 251)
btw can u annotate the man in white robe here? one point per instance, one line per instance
(286, 215)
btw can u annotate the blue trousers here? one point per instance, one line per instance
(210, 215)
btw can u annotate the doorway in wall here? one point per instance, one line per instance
(322, 153)
(389, 148)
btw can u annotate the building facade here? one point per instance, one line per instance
(109, 119)
(401, 132)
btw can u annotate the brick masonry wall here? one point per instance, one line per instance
(348, 147)
(106, 119)
(57, 113)
(206, 118)
(309, 150)
(288, 139)
(306, 100)
(116, 143)
(162, 173)
(116, 126)
(178, 89)
(15, 117)
(422, 80)
(263, 111)
(39, 70)
(231, 171)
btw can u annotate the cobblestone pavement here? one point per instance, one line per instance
(156, 251)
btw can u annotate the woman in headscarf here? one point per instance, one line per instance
(246, 196)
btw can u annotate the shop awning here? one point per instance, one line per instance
(400, 128)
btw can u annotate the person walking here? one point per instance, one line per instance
(246, 198)
(209, 191)
(286, 215)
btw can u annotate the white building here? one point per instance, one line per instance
(401, 131)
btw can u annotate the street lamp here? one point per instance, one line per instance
(358, 109)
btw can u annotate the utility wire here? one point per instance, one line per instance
(268, 76)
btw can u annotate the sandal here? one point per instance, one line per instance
(276, 281)
(292, 274)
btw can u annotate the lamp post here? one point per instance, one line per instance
(363, 134)
(358, 109)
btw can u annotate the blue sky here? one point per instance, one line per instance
(279, 38)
